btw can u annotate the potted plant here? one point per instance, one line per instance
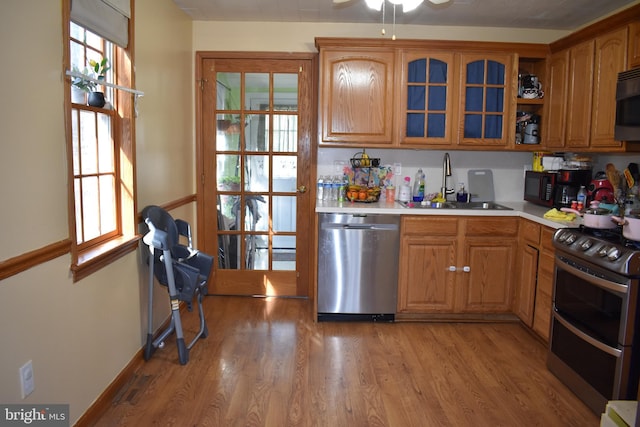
(96, 71)
(230, 183)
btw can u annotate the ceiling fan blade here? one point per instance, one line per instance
(438, 1)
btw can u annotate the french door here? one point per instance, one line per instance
(255, 147)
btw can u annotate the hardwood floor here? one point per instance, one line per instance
(267, 363)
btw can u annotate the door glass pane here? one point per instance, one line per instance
(285, 172)
(256, 174)
(285, 133)
(256, 214)
(228, 172)
(228, 212)
(256, 91)
(228, 132)
(256, 252)
(285, 92)
(284, 213)
(284, 253)
(256, 132)
(228, 91)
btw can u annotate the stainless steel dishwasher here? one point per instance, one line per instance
(358, 266)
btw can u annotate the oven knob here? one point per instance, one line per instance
(614, 254)
(571, 238)
(586, 244)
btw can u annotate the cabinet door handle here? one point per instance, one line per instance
(466, 269)
(452, 268)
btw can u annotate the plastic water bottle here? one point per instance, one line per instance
(326, 188)
(582, 196)
(320, 188)
(335, 188)
(418, 187)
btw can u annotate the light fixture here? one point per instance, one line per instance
(407, 5)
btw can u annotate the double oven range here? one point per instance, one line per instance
(594, 346)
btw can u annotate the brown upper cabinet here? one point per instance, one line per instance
(556, 100)
(487, 100)
(426, 98)
(580, 99)
(634, 45)
(463, 95)
(357, 95)
(420, 93)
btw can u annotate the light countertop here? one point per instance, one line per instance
(520, 209)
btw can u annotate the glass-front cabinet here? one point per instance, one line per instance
(487, 101)
(426, 98)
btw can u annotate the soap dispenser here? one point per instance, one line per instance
(462, 196)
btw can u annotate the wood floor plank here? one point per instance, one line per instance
(266, 362)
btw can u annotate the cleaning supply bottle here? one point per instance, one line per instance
(405, 190)
(418, 187)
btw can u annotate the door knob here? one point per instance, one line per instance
(302, 189)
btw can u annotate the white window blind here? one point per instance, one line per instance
(107, 18)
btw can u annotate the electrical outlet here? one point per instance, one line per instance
(397, 168)
(338, 166)
(26, 379)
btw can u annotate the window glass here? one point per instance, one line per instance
(417, 71)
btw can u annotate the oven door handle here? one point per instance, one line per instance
(585, 337)
(602, 283)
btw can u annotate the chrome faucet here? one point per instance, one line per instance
(446, 171)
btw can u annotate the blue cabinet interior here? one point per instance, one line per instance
(484, 99)
(426, 98)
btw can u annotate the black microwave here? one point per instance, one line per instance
(539, 186)
(627, 127)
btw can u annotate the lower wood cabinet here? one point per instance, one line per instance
(456, 265)
(534, 284)
(544, 285)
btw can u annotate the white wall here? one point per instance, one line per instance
(80, 335)
(299, 37)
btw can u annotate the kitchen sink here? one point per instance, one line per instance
(490, 206)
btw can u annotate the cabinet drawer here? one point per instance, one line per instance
(430, 226)
(491, 227)
(530, 232)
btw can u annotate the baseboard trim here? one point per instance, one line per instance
(105, 400)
